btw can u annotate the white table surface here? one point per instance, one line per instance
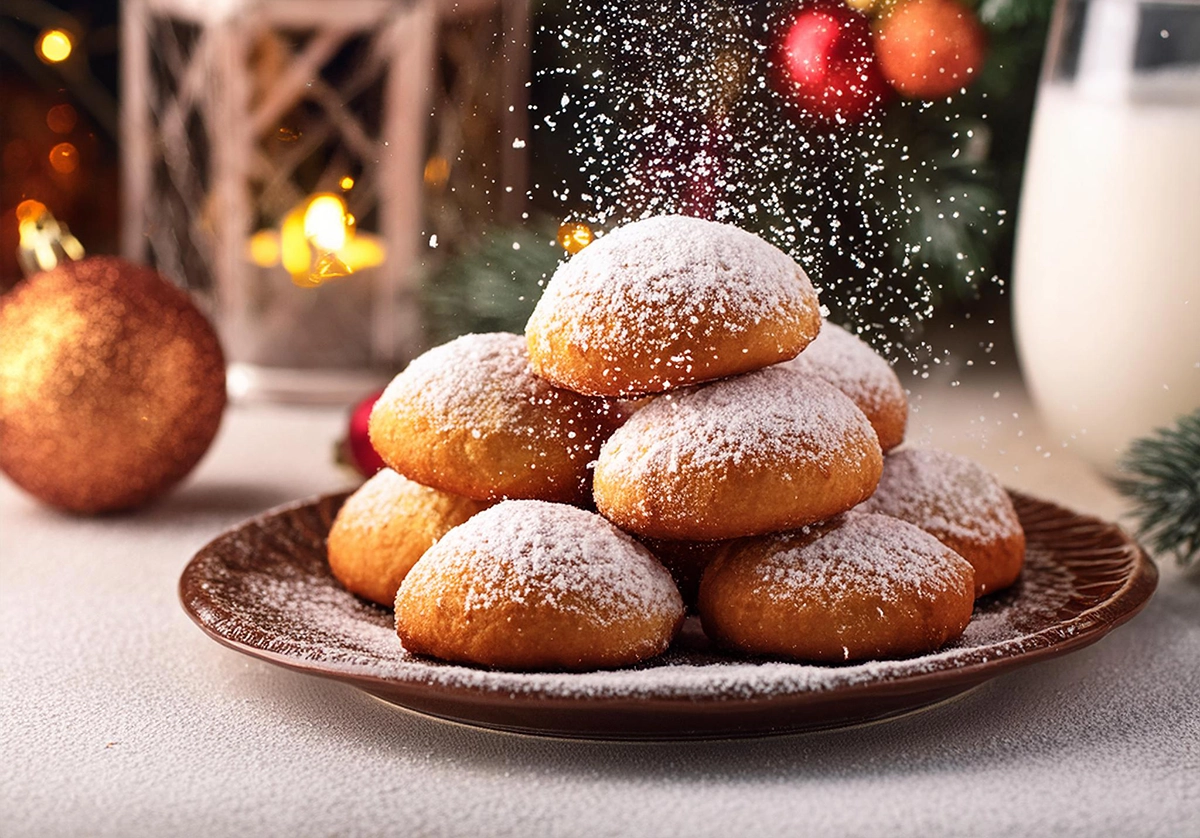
(121, 718)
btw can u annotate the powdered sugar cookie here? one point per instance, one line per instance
(960, 503)
(470, 417)
(852, 366)
(667, 302)
(767, 451)
(535, 585)
(385, 526)
(854, 588)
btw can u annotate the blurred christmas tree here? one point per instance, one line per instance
(890, 166)
(880, 141)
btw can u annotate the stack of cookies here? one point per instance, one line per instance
(677, 428)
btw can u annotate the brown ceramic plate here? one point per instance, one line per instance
(264, 588)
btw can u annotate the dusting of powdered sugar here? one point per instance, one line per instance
(772, 416)
(299, 612)
(546, 555)
(481, 381)
(945, 493)
(376, 503)
(850, 364)
(703, 277)
(861, 554)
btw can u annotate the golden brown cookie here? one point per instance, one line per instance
(854, 588)
(852, 366)
(384, 527)
(960, 503)
(763, 452)
(469, 417)
(535, 585)
(667, 302)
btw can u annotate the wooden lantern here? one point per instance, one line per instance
(234, 111)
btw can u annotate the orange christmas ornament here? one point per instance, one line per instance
(929, 48)
(112, 385)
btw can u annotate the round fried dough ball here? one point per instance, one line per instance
(385, 526)
(470, 417)
(854, 588)
(666, 302)
(851, 365)
(536, 585)
(763, 452)
(961, 504)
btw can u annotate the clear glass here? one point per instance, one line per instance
(1107, 280)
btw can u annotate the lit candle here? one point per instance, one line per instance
(317, 241)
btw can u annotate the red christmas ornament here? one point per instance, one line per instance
(829, 65)
(930, 48)
(356, 450)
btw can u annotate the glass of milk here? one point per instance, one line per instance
(1107, 275)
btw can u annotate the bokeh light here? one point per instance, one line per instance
(61, 119)
(30, 210)
(54, 46)
(437, 172)
(264, 248)
(574, 236)
(64, 158)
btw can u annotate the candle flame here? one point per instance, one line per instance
(325, 222)
(317, 241)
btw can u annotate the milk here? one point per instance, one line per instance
(1107, 273)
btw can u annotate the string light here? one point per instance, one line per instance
(54, 46)
(29, 210)
(43, 239)
(347, 183)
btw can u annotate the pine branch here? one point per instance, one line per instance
(493, 285)
(1164, 484)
